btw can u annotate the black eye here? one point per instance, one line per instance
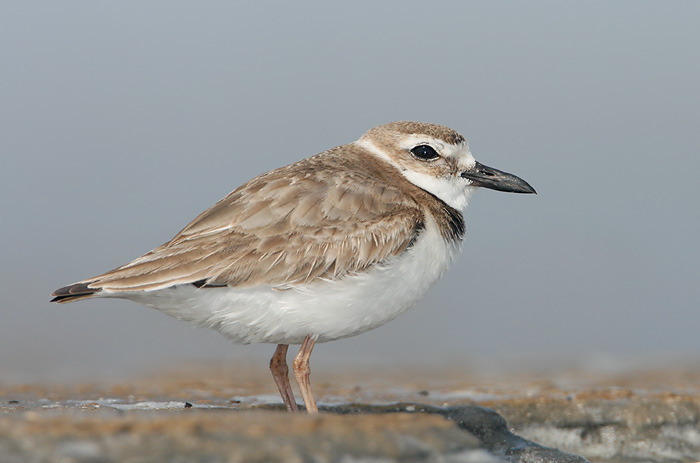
(425, 152)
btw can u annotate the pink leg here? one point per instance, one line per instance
(278, 366)
(302, 373)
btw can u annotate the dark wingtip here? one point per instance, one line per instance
(205, 284)
(73, 292)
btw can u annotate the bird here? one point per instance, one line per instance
(325, 248)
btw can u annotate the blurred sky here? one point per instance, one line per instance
(121, 121)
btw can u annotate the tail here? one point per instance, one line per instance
(74, 292)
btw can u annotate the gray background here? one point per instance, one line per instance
(121, 121)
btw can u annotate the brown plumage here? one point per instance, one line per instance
(287, 227)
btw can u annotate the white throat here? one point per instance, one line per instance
(452, 190)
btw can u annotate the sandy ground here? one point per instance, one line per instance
(206, 414)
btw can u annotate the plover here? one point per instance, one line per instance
(328, 247)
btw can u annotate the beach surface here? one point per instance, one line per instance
(205, 414)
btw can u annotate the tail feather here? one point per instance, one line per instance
(74, 292)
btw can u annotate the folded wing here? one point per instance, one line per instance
(279, 230)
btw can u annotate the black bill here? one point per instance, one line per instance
(488, 177)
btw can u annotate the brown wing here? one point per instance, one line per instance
(323, 217)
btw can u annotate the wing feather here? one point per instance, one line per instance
(323, 217)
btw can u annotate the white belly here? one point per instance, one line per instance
(328, 309)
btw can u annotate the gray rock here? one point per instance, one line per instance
(486, 425)
(344, 434)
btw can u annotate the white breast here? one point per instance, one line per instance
(329, 309)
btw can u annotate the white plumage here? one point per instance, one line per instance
(330, 309)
